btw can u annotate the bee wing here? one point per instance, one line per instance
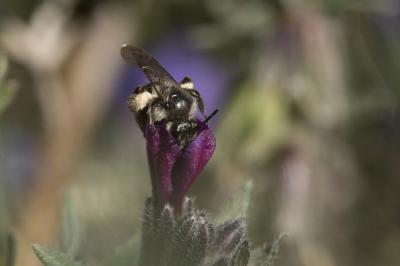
(149, 65)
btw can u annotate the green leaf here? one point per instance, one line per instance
(237, 206)
(125, 255)
(50, 257)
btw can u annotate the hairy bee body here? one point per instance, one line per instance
(164, 99)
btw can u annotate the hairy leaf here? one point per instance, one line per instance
(50, 257)
(266, 255)
(273, 250)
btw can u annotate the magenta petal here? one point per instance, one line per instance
(162, 153)
(189, 165)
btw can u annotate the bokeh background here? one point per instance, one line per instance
(309, 97)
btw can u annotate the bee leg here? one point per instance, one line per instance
(156, 112)
(141, 118)
(196, 95)
(150, 112)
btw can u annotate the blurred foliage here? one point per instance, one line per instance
(71, 231)
(8, 88)
(126, 254)
(311, 115)
(236, 207)
(8, 250)
(8, 91)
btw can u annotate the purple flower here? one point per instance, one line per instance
(173, 170)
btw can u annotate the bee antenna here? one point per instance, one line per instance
(209, 117)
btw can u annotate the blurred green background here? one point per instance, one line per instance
(309, 97)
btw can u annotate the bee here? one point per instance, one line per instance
(164, 99)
